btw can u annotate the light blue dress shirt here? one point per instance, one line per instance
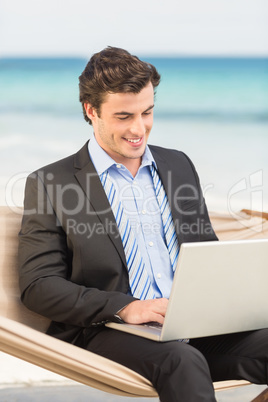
(139, 201)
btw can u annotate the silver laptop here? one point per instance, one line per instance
(219, 287)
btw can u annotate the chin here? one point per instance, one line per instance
(136, 155)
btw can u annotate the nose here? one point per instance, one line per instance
(138, 126)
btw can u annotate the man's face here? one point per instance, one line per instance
(124, 124)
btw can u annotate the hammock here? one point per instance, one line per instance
(22, 332)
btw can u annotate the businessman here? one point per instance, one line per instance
(101, 234)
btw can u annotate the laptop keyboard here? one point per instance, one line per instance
(153, 325)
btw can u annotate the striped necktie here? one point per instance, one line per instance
(139, 280)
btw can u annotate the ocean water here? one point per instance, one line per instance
(214, 109)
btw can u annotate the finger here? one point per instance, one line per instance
(160, 307)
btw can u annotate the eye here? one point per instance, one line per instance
(123, 118)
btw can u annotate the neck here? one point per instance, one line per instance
(132, 165)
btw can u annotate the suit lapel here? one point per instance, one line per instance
(88, 179)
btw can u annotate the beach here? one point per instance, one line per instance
(214, 110)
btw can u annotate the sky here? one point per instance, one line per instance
(152, 27)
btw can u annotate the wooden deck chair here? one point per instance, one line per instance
(22, 331)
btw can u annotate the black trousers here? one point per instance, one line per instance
(184, 372)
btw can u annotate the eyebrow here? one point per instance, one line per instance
(131, 114)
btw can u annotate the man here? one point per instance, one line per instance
(101, 233)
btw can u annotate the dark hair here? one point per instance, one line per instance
(113, 70)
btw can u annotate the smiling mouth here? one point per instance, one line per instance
(134, 141)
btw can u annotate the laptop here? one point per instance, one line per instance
(219, 287)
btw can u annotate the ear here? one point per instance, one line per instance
(90, 111)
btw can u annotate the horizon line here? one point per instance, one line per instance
(151, 56)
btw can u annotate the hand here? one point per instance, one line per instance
(141, 311)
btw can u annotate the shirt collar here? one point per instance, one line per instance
(102, 161)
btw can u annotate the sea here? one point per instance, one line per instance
(213, 109)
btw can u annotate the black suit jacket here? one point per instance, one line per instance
(72, 262)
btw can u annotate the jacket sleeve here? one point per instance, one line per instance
(45, 268)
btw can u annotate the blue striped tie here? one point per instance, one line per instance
(139, 280)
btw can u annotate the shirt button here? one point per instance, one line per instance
(151, 243)
(159, 276)
(143, 212)
(118, 166)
